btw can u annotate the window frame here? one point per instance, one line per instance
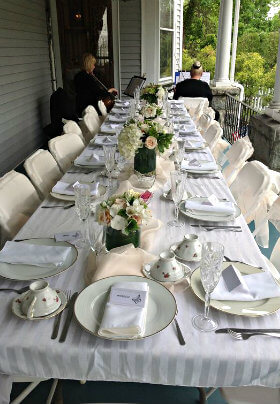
(168, 79)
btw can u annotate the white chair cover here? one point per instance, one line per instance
(18, 200)
(236, 156)
(102, 109)
(72, 127)
(219, 151)
(90, 125)
(209, 111)
(204, 122)
(213, 134)
(65, 149)
(43, 171)
(90, 110)
(192, 104)
(252, 190)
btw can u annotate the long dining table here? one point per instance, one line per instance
(207, 359)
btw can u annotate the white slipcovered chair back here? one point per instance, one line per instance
(102, 109)
(219, 151)
(251, 190)
(65, 149)
(213, 134)
(90, 125)
(195, 104)
(18, 200)
(209, 111)
(43, 171)
(90, 110)
(204, 122)
(72, 127)
(236, 156)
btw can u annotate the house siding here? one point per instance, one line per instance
(25, 81)
(130, 41)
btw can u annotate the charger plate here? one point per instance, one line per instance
(23, 272)
(101, 191)
(208, 216)
(90, 304)
(248, 309)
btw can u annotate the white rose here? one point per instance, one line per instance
(160, 93)
(119, 223)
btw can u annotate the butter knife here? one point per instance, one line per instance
(247, 330)
(68, 318)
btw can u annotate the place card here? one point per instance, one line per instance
(70, 236)
(128, 297)
(233, 279)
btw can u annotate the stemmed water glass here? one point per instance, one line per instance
(210, 272)
(180, 152)
(109, 155)
(178, 180)
(82, 206)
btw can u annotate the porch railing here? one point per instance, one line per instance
(237, 118)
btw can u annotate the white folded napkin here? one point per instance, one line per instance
(106, 140)
(125, 321)
(252, 287)
(222, 208)
(194, 143)
(120, 111)
(37, 255)
(176, 101)
(204, 165)
(120, 119)
(92, 159)
(65, 188)
(122, 103)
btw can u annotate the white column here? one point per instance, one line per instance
(223, 45)
(275, 103)
(234, 40)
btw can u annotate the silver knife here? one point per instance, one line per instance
(247, 330)
(68, 318)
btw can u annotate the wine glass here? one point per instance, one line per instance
(109, 155)
(82, 206)
(180, 152)
(210, 271)
(178, 180)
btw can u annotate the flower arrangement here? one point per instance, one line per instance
(139, 134)
(125, 212)
(150, 111)
(152, 93)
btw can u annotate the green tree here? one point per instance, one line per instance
(250, 71)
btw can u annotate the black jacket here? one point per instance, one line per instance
(193, 88)
(88, 91)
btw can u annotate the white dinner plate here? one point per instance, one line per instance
(208, 216)
(101, 191)
(17, 310)
(24, 272)
(196, 171)
(248, 309)
(90, 304)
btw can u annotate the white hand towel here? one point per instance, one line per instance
(37, 255)
(65, 188)
(121, 321)
(257, 286)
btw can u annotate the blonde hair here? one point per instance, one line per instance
(88, 61)
(196, 69)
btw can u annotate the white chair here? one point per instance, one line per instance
(236, 157)
(43, 171)
(103, 110)
(18, 201)
(72, 127)
(213, 134)
(90, 110)
(90, 125)
(209, 111)
(194, 104)
(204, 122)
(65, 149)
(219, 151)
(252, 190)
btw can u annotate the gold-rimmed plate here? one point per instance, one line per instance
(255, 308)
(101, 191)
(25, 272)
(90, 303)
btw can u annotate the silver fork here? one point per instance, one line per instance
(244, 337)
(221, 228)
(58, 317)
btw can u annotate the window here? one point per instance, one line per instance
(166, 38)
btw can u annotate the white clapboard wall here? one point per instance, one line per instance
(25, 82)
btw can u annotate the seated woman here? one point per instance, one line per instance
(88, 89)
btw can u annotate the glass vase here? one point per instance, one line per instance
(145, 161)
(115, 238)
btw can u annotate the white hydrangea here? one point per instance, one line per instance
(160, 93)
(149, 111)
(129, 141)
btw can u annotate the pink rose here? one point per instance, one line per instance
(151, 142)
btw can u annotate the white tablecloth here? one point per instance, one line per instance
(207, 359)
